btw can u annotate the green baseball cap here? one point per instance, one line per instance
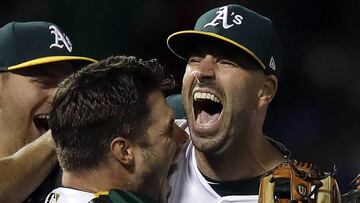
(176, 103)
(235, 26)
(25, 44)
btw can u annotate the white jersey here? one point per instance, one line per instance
(69, 195)
(188, 185)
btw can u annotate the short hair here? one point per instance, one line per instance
(102, 101)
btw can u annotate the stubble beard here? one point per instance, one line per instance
(152, 177)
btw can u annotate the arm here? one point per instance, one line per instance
(22, 172)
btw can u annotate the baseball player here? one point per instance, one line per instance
(120, 137)
(34, 58)
(231, 76)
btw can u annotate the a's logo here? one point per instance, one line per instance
(61, 39)
(222, 15)
(272, 64)
(52, 198)
(302, 190)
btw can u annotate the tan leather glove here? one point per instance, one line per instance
(298, 182)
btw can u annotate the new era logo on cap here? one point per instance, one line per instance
(236, 26)
(272, 64)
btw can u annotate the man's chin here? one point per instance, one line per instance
(206, 145)
(206, 130)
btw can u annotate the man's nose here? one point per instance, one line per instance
(205, 69)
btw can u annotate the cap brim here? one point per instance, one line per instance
(179, 43)
(51, 59)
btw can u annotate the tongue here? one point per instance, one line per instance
(42, 130)
(205, 117)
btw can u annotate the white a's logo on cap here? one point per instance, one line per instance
(222, 15)
(61, 39)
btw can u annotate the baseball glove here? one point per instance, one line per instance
(298, 182)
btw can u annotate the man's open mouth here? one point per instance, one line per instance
(207, 107)
(41, 122)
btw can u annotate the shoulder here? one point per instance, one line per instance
(52, 181)
(68, 195)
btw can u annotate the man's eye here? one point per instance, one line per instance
(193, 60)
(228, 63)
(44, 83)
(171, 127)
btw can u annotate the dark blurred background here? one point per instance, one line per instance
(316, 111)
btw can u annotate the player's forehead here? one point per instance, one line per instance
(214, 48)
(223, 51)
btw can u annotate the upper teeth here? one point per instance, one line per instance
(203, 95)
(43, 116)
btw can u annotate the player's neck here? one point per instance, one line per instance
(248, 159)
(93, 180)
(84, 181)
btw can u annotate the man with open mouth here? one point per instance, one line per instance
(231, 76)
(34, 58)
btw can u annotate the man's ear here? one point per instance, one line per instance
(268, 90)
(122, 151)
